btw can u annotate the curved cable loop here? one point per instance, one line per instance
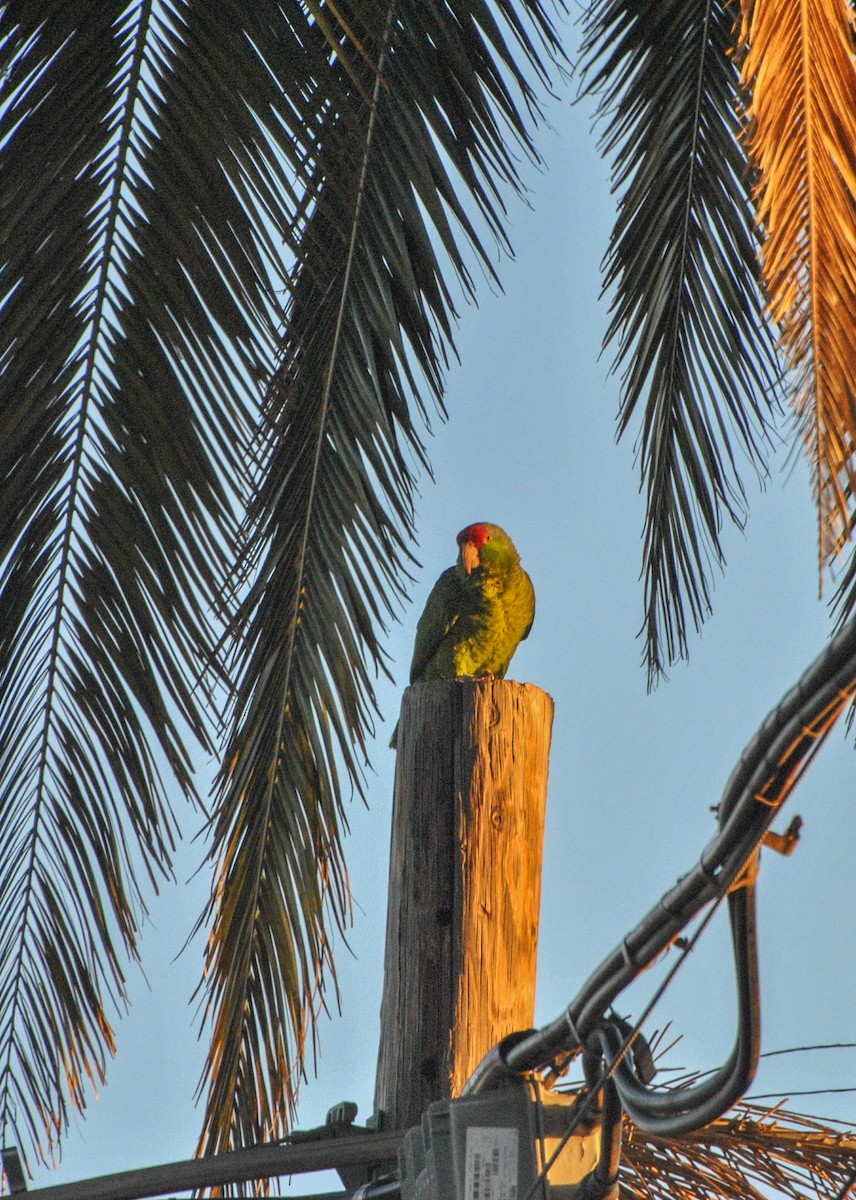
(669, 1112)
(764, 776)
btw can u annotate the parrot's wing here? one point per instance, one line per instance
(442, 609)
(530, 592)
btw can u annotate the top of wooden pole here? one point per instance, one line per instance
(464, 709)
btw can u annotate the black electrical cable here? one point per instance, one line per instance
(604, 1177)
(679, 1110)
(762, 779)
(600, 1082)
(605, 1174)
(375, 1189)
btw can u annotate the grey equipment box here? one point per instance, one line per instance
(494, 1146)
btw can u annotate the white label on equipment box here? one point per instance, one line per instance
(491, 1164)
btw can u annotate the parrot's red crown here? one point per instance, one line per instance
(478, 534)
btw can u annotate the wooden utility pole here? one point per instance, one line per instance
(464, 885)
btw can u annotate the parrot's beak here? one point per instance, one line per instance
(469, 556)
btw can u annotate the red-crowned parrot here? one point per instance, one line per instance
(478, 611)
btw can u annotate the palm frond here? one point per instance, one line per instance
(70, 758)
(752, 1152)
(800, 72)
(399, 178)
(138, 312)
(685, 309)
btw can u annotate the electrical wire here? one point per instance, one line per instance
(603, 1084)
(806, 1049)
(786, 1095)
(766, 773)
(691, 1077)
(679, 1110)
(587, 1099)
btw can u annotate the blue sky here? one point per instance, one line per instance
(530, 445)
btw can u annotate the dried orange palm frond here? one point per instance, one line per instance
(800, 75)
(751, 1153)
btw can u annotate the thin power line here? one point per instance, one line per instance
(785, 1093)
(607, 1074)
(803, 1049)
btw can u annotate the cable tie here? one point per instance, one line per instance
(629, 960)
(712, 879)
(575, 1033)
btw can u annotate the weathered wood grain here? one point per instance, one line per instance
(464, 885)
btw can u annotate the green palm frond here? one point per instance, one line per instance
(178, 185)
(137, 313)
(681, 266)
(426, 112)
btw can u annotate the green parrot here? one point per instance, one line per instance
(478, 611)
